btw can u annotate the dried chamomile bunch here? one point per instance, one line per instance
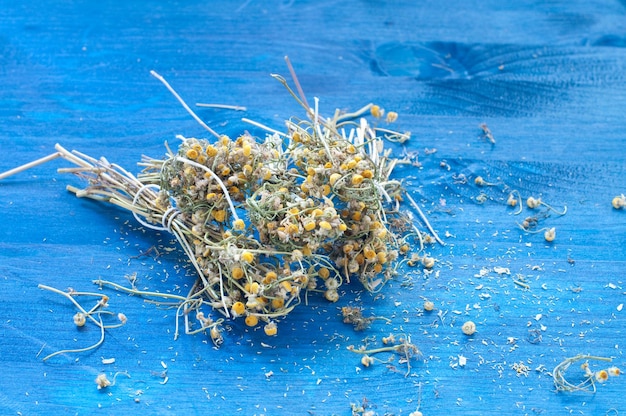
(264, 221)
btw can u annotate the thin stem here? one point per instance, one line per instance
(222, 106)
(69, 156)
(317, 128)
(71, 298)
(341, 118)
(295, 81)
(293, 94)
(29, 165)
(263, 126)
(376, 350)
(117, 374)
(529, 231)
(394, 136)
(101, 282)
(183, 103)
(430, 228)
(551, 208)
(96, 345)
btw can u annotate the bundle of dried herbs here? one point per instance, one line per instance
(265, 221)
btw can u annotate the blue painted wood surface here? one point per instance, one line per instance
(547, 77)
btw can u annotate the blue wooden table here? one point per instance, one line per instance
(549, 81)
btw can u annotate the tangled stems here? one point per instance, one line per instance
(82, 315)
(588, 383)
(184, 306)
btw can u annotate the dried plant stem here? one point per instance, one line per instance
(184, 305)
(183, 103)
(424, 219)
(29, 165)
(404, 348)
(73, 350)
(222, 106)
(295, 80)
(70, 296)
(264, 127)
(132, 291)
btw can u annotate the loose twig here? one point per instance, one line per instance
(404, 347)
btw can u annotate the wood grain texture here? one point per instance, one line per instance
(547, 77)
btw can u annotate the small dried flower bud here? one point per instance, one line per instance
(247, 257)
(377, 111)
(237, 273)
(392, 116)
(238, 308)
(428, 262)
(357, 179)
(366, 360)
(239, 224)
(251, 320)
(469, 328)
(389, 340)
(428, 305)
(602, 376)
(332, 179)
(270, 329)
(247, 150)
(331, 295)
(102, 381)
(192, 154)
(323, 272)
(216, 336)
(550, 235)
(309, 225)
(325, 225)
(332, 284)
(533, 203)
(80, 319)
(619, 202)
(511, 201)
(219, 215)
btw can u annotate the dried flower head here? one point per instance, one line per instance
(469, 328)
(80, 319)
(102, 381)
